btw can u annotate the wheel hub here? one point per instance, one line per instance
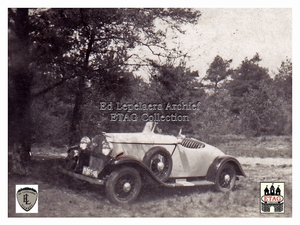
(160, 166)
(127, 187)
(227, 178)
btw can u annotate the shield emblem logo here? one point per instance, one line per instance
(27, 198)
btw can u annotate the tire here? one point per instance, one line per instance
(159, 161)
(123, 185)
(226, 177)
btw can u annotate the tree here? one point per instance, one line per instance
(283, 81)
(283, 86)
(20, 82)
(98, 45)
(175, 85)
(263, 112)
(263, 105)
(214, 112)
(247, 77)
(218, 72)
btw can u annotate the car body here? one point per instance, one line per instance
(124, 161)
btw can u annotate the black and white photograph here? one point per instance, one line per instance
(150, 112)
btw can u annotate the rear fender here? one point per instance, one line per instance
(218, 162)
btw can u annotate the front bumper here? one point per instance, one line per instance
(82, 177)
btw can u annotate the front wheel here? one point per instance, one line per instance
(225, 179)
(123, 185)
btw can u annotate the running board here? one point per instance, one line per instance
(177, 183)
(82, 177)
(184, 182)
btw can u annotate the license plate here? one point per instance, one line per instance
(89, 172)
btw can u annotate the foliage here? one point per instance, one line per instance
(248, 102)
(283, 81)
(262, 112)
(245, 78)
(176, 85)
(218, 72)
(78, 58)
(85, 49)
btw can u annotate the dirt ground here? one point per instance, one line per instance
(63, 196)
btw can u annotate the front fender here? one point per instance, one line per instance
(221, 160)
(128, 161)
(72, 148)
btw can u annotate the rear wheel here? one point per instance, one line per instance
(123, 185)
(225, 179)
(159, 161)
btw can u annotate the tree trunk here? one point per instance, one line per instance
(77, 113)
(20, 101)
(75, 132)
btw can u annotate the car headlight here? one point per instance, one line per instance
(83, 146)
(84, 142)
(106, 149)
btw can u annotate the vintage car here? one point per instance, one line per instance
(124, 161)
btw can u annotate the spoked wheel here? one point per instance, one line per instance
(159, 161)
(226, 177)
(123, 185)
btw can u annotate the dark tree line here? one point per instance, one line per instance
(254, 102)
(64, 62)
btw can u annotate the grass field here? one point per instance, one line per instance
(63, 196)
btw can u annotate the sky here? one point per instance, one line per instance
(239, 33)
(233, 33)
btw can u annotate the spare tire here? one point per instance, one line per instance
(159, 161)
